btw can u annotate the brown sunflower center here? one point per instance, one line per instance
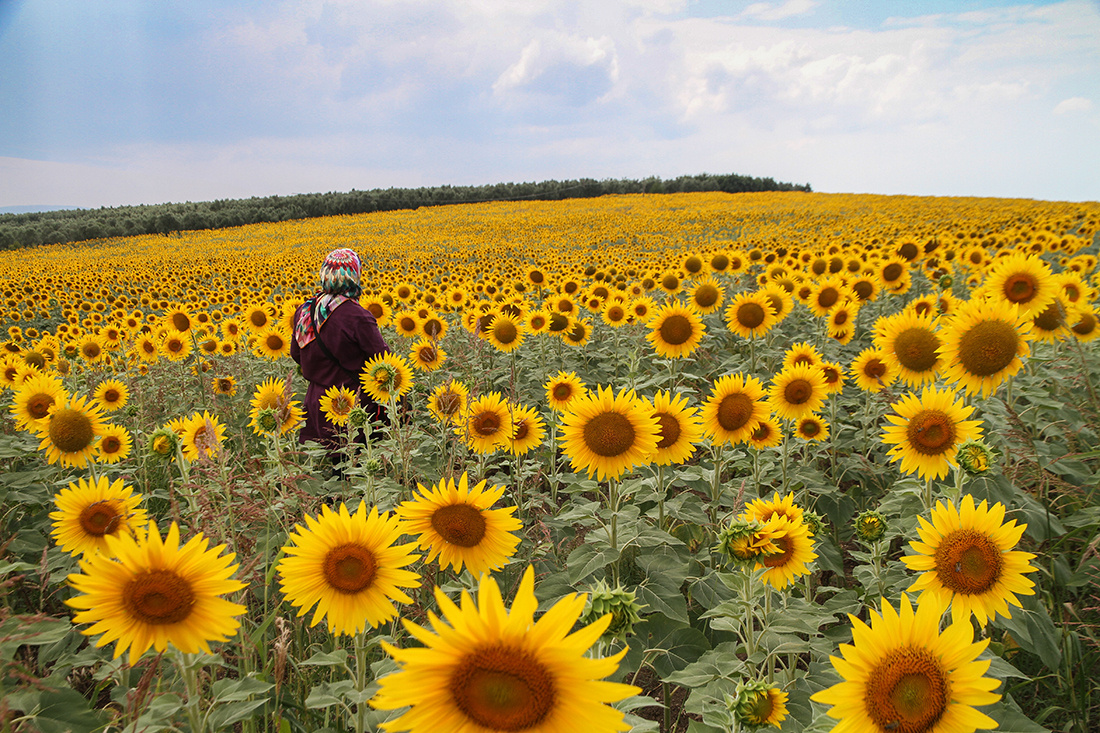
(110, 445)
(1050, 319)
(100, 518)
(892, 272)
(71, 430)
(500, 688)
(1020, 287)
(676, 330)
(558, 322)
(609, 434)
(693, 264)
(987, 347)
(779, 559)
(750, 315)
(762, 432)
(258, 318)
(968, 562)
(670, 282)
(669, 428)
(916, 348)
(274, 342)
(158, 597)
(349, 568)
(448, 403)
(840, 318)
(39, 404)
(486, 424)
(798, 391)
(734, 411)
(174, 345)
(111, 396)
(719, 262)
(931, 432)
(863, 289)
(562, 391)
(407, 324)
(505, 331)
(706, 295)
(907, 692)
(1086, 325)
(874, 368)
(459, 524)
(90, 350)
(828, 297)
(180, 322)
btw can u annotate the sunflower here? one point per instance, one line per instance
(145, 349)
(111, 395)
(349, 566)
(487, 424)
(1023, 280)
(780, 300)
(926, 431)
(910, 342)
(750, 315)
(257, 317)
(179, 319)
(675, 331)
(825, 295)
(902, 674)
(608, 434)
(33, 399)
(797, 391)
(454, 522)
(537, 321)
(386, 375)
(275, 394)
(562, 389)
(795, 545)
(155, 593)
(872, 371)
(71, 431)
(448, 401)
(966, 558)
(767, 434)
(1051, 325)
(734, 409)
(763, 510)
(642, 309)
(895, 275)
(1086, 326)
(679, 428)
(834, 376)
(378, 308)
(488, 668)
(271, 343)
(812, 427)
(114, 444)
(89, 511)
(615, 314)
(427, 356)
(802, 354)
(578, 333)
(841, 321)
(224, 386)
(202, 436)
(985, 344)
(705, 296)
(336, 404)
(864, 288)
(527, 430)
(176, 346)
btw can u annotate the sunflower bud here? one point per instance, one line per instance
(268, 420)
(620, 603)
(743, 541)
(814, 522)
(975, 457)
(383, 374)
(373, 466)
(946, 282)
(358, 417)
(870, 526)
(163, 442)
(757, 703)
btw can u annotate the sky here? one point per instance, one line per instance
(119, 102)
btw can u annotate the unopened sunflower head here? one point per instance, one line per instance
(384, 375)
(975, 457)
(268, 419)
(756, 703)
(162, 443)
(870, 526)
(358, 417)
(743, 541)
(620, 603)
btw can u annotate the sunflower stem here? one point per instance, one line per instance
(661, 497)
(716, 485)
(360, 681)
(188, 666)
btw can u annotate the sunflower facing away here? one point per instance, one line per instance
(966, 558)
(455, 523)
(148, 592)
(89, 511)
(275, 394)
(608, 434)
(484, 667)
(902, 674)
(927, 430)
(385, 376)
(348, 566)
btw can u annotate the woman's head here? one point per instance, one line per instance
(340, 273)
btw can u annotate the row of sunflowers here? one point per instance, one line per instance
(688, 462)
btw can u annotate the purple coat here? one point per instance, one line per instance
(351, 335)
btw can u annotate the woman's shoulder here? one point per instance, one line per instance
(351, 311)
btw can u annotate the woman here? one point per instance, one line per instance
(334, 337)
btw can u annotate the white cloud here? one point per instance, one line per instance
(772, 12)
(1073, 104)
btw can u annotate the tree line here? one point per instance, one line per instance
(75, 225)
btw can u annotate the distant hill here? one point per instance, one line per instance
(75, 225)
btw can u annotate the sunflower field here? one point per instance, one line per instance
(686, 462)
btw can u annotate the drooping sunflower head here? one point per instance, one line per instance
(607, 434)
(757, 703)
(456, 523)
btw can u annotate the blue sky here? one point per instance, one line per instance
(120, 102)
